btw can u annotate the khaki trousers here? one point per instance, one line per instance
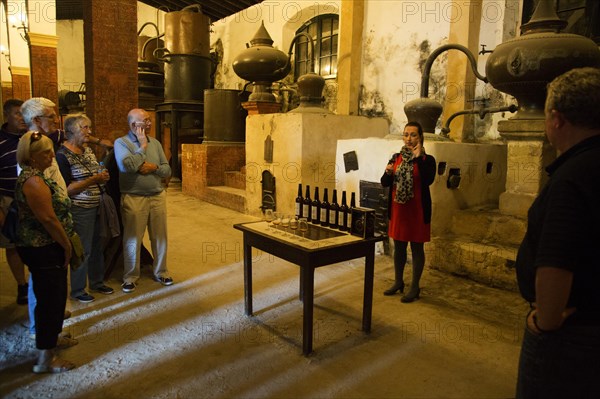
(139, 212)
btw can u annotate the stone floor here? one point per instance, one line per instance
(192, 340)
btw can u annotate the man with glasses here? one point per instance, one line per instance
(39, 114)
(142, 166)
(10, 133)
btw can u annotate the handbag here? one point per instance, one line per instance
(109, 218)
(11, 221)
(77, 254)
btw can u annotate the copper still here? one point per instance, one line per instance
(311, 84)
(188, 67)
(186, 55)
(261, 64)
(523, 66)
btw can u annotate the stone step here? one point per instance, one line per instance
(228, 197)
(235, 179)
(488, 225)
(487, 263)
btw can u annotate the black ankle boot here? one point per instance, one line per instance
(398, 286)
(412, 295)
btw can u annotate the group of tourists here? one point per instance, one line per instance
(66, 218)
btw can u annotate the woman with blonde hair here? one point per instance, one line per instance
(43, 243)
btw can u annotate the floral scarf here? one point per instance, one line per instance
(403, 177)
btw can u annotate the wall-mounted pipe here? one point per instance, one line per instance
(161, 54)
(435, 54)
(426, 110)
(482, 113)
(148, 41)
(157, 37)
(146, 24)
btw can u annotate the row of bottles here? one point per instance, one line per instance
(325, 213)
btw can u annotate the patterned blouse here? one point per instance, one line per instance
(30, 232)
(77, 167)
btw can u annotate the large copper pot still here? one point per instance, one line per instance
(522, 67)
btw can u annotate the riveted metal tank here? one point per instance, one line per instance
(186, 55)
(187, 32)
(186, 77)
(188, 68)
(224, 116)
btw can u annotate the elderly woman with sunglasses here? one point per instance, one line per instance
(43, 244)
(85, 184)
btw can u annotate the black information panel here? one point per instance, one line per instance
(316, 233)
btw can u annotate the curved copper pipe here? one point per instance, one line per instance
(146, 24)
(312, 52)
(433, 56)
(482, 113)
(148, 41)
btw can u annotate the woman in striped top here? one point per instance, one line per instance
(85, 184)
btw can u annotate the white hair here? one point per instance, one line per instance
(35, 107)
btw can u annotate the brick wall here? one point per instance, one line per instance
(110, 39)
(7, 91)
(20, 86)
(205, 165)
(44, 72)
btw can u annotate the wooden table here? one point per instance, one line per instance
(309, 255)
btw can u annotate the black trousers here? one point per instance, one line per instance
(560, 364)
(50, 288)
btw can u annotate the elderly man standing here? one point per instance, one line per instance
(10, 133)
(142, 167)
(558, 263)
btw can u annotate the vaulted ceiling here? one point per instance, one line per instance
(215, 9)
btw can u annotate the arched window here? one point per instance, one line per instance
(324, 29)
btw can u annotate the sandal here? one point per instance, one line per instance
(64, 334)
(56, 366)
(65, 341)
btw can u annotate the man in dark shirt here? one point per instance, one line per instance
(10, 133)
(558, 263)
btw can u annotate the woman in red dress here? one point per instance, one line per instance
(408, 175)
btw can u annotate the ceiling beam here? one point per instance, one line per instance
(225, 7)
(215, 9)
